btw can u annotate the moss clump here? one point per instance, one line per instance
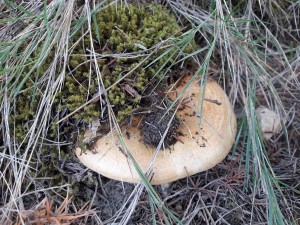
(125, 30)
(122, 30)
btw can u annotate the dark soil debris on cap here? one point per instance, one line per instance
(154, 126)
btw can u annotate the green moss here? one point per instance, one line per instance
(122, 30)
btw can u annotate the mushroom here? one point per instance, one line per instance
(205, 136)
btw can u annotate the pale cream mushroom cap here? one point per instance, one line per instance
(201, 148)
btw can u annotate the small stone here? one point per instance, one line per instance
(269, 121)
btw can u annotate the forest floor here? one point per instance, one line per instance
(250, 47)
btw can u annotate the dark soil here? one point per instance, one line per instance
(154, 126)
